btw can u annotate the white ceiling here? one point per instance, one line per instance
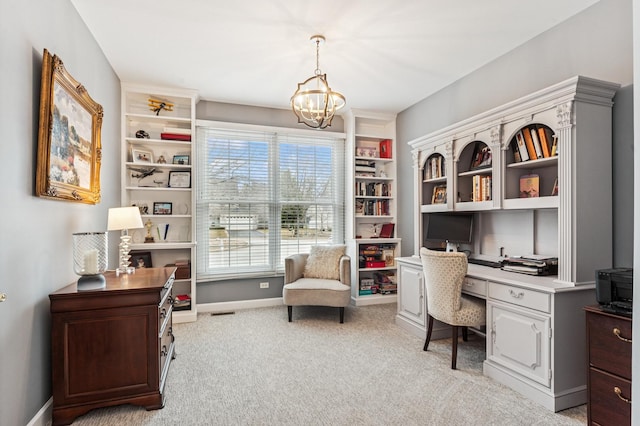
(382, 55)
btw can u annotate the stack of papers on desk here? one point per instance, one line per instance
(531, 264)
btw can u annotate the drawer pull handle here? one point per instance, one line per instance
(618, 392)
(516, 295)
(617, 332)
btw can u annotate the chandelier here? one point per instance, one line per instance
(314, 103)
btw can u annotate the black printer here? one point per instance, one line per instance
(614, 290)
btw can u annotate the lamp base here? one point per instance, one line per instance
(91, 282)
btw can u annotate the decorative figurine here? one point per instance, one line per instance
(156, 105)
(149, 238)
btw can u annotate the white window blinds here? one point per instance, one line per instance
(264, 195)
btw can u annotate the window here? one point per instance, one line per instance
(264, 194)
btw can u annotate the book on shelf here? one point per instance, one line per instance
(175, 137)
(481, 188)
(531, 150)
(385, 148)
(389, 257)
(516, 152)
(177, 130)
(368, 169)
(554, 190)
(181, 302)
(529, 186)
(387, 230)
(481, 157)
(366, 283)
(554, 146)
(536, 141)
(435, 167)
(544, 141)
(522, 147)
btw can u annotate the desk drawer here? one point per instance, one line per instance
(606, 406)
(475, 286)
(520, 296)
(610, 344)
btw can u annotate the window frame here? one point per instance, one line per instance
(203, 275)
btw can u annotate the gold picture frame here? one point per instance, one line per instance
(69, 148)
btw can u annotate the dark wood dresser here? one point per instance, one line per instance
(609, 382)
(111, 346)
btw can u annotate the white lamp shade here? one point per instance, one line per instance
(124, 218)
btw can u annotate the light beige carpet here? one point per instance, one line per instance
(255, 368)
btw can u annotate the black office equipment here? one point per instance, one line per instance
(614, 290)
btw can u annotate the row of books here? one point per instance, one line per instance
(383, 282)
(365, 168)
(176, 134)
(534, 142)
(376, 256)
(372, 207)
(481, 188)
(373, 189)
(435, 167)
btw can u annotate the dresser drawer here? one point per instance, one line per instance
(610, 344)
(607, 404)
(520, 296)
(475, 286)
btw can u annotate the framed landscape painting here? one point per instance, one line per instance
(69, 149)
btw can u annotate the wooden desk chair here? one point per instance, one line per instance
(444, 274)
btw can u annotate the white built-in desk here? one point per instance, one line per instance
(535, 335)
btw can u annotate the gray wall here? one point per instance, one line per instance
(596, 43)
(35, 247)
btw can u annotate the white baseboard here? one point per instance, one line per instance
(43, 417)
(224, 307)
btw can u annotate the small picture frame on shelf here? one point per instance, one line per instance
(162, 208)
(141, 156)
(179, 179)
(181, 159)
(141, 259)
(366, 151)
(439, 194)
(530, 186)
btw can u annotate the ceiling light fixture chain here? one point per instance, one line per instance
(314, 103)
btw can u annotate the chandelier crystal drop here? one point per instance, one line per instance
(314, 103)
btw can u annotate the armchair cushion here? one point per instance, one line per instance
(324, 262)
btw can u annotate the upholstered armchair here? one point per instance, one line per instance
(444, 274)
(320, 278)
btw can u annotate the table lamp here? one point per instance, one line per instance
(122, 219)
